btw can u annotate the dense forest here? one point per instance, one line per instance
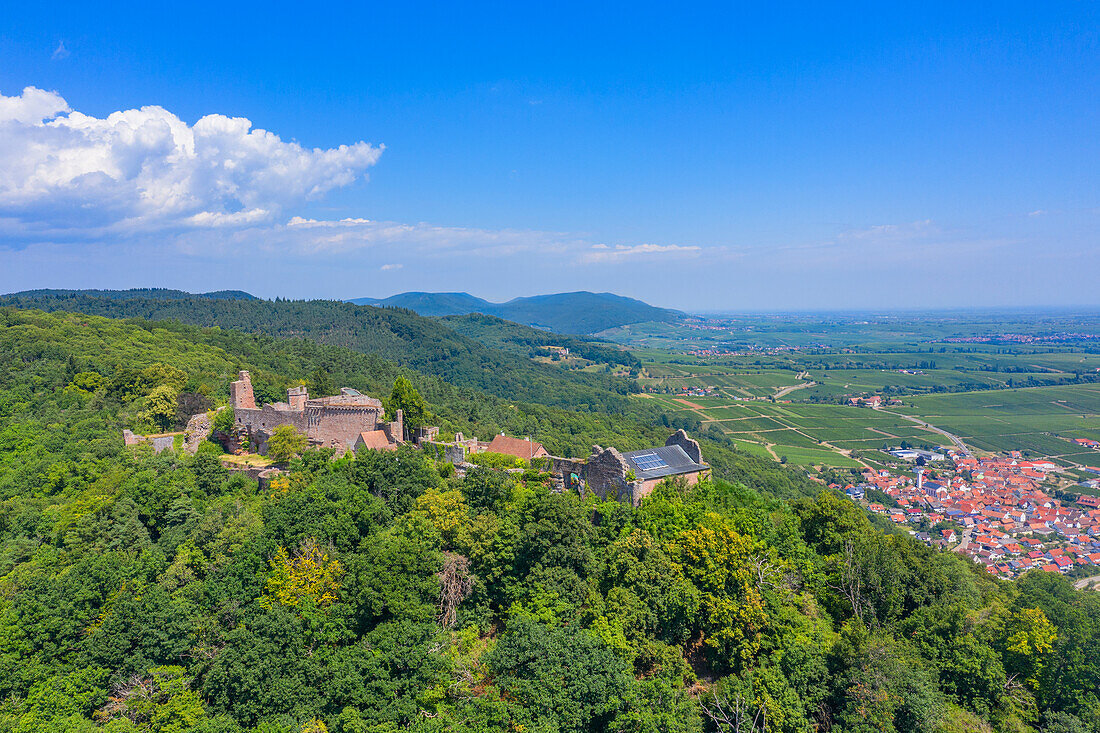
(382, 592)
(424, 344)
(527, 341)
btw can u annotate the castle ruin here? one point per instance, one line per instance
(341, 421)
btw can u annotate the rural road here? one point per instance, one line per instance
(953, 438)
(787, 390)
(1080, 584)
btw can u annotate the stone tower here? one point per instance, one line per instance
(297, 397)
(240, 393)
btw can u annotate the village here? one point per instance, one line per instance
(995, 510)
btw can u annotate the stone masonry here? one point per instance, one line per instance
(329, 422)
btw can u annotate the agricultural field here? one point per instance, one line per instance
(732, 381)
(834, 375)
(1041, 420)
(804, 433)
(779, 386)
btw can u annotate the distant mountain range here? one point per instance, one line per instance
(579, 313)
(145, 293)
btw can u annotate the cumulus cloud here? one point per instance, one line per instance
(141, 170)
(605, 253)
(220, 188)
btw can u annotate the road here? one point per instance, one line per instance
(787, 390)
(1080, 584)
(953, 438)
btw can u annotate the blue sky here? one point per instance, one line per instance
(701, 157)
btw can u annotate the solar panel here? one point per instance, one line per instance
(649, 461)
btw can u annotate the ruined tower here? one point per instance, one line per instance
(240, 393)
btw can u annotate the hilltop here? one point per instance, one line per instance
(581, 312)
(148, 293)
(388, 592)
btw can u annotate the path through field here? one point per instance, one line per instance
(929, 426)
(787, 390)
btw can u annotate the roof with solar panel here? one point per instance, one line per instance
(668, 460)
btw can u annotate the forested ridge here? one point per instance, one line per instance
(421, 343)
(382, 593)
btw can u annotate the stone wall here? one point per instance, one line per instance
(163, 441)
(198, 429)
(337, 426)
(691, 447)
(451, 452)
(260, 423)
(603, 473)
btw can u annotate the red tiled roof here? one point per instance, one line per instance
(375, 440)
(518, 447)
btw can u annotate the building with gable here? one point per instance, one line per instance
(631, 476)
(341, 421)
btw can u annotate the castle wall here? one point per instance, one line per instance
(260, 424)
(691, 447)
(604, 473)
(335, 426)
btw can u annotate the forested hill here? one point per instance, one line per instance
(571, 313)
(211, 357)
(148, 293)
(424, 344)
(383, 593)
(527, 341)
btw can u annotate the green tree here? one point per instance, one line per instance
(285, 443)
(564, 678)
(404, 397)
(486, 489)
(225, 420)
(320, 383)
(160, 406)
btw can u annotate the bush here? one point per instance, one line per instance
(496, 460)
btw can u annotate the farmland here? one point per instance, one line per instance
(780, 387)
(1040, 420)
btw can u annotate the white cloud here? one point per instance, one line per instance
(218, 188)
(64, 173)
(888, 233)
(60, 52)
(605, 253)
(343, 236)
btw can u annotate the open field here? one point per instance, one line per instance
(779, 384)
(1040, 420)
(806, 433)
(821, 375)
